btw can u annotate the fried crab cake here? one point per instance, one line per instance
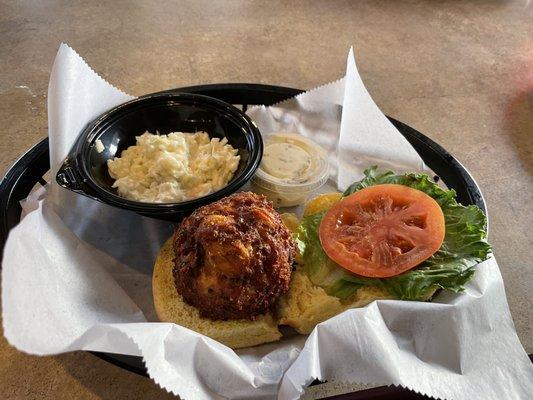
(233, 258)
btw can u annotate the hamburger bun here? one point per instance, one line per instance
(305, 305)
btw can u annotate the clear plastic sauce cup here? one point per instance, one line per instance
(292, 167)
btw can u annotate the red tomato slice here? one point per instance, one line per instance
(382, 230)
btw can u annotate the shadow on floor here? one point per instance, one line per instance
(108, 381)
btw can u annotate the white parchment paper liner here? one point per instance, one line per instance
(76, 276)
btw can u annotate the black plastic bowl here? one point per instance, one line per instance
(85, 169)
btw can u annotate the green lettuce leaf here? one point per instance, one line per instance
(464, 246)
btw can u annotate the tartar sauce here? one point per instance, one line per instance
(292, 166)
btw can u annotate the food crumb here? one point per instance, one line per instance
(99, 146)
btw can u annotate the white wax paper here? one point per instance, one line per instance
(76, 276)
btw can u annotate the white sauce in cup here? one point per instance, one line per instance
(292, 167)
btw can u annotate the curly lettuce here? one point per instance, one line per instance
(452, 266)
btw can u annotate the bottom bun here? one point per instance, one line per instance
(306, 305)
(170, 307)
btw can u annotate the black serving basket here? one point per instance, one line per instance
(29, 170)
(85, 171)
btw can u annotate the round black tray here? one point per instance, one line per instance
(28, 170)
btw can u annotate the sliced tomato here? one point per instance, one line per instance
(382, 230)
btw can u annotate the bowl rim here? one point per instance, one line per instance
(89, 187)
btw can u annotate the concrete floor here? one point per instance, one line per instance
(459, 71)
